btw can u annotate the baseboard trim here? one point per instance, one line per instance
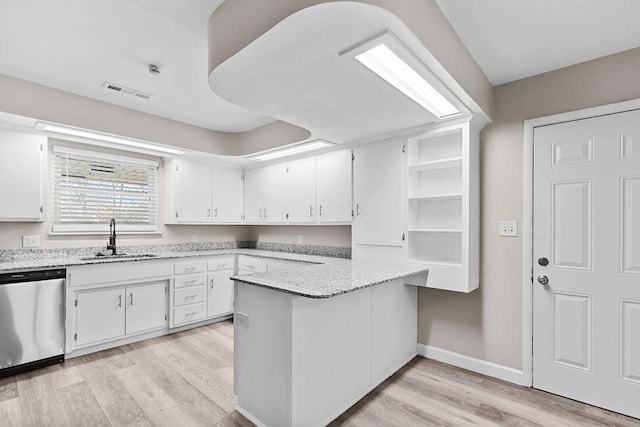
(472, 364)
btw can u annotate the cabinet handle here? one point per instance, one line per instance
(251, 267)
(357, 210)
(190, 297)
(265, 212)
(131, 296)
(189, 268)
(208, 212)
(221, 265)
(320, 210)
(120, 301)
(311, 211)
(189, 281)
(260, 213)
(211, 284)
(215, 213)
(190, 314)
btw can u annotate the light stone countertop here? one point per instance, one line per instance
(316, 277)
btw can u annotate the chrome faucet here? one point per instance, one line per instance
(112, 236)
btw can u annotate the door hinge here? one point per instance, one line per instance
(403, 148)
(75, 304)
(75, 337)
(403, 237)
(176, 214)
(351, 212)
(286, 216)
(41, 209)
(353, 156)
(165, 317)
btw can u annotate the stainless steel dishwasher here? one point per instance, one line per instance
(32, 331)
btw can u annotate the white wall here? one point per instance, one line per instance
(487, 324)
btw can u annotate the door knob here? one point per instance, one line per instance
(543, 261)
(543, 280)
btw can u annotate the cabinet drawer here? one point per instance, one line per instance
(252, 264)
(189, 313)
(184, 281)
(220, 263)
(190, 295)
(189, 267)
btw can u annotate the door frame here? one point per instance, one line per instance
(527, 216)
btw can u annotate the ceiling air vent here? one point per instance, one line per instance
(126, 91)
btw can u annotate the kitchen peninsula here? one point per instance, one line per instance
(311, 341)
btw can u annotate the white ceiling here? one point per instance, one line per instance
(77, 45)
(513, 39)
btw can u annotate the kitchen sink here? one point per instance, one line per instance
(117, 256)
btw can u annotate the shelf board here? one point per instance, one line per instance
(451, 196)
(428, 263)
(451, 162)
(435, 230)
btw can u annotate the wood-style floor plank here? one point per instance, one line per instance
(187, 379)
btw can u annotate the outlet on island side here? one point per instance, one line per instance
(242, 320)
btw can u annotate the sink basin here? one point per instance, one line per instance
(117, 256)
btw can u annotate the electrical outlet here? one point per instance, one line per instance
(299, 238)
(508, 228)
(194, 238)
(30, 241)
(242, 320)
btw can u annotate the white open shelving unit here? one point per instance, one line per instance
(443, 205)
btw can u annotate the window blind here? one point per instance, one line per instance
(91, 188)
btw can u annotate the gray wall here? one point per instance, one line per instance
(487, 324)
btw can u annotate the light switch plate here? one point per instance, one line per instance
(508, 228)
(30, 241)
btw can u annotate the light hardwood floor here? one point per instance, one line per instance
(185, 379)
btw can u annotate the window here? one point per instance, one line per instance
(90, 188)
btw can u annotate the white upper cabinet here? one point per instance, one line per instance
(253, 196)
(378, 171)
(275, 193)
(443, 205)
(199, 193)
(227, 195)
(193, 192)
(334, 187)
(301, 191)
(22, 155)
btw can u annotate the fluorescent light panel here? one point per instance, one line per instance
(105, 137)
(385, 63)
(290, 151)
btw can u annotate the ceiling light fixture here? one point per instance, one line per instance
(105, 137)
(290, 150)
(398, 65)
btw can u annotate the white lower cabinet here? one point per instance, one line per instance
(106, 314)
(220, 293)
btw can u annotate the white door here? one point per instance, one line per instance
(301, 191)
(193, 197)
(99, 316)
(275, 193)
(253, 196)
(378, 194)
(334, 186)
(146, 307)
(220, 293)
(587, 225)
(227, 195)
(21, 154)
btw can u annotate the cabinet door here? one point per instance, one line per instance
(301, 191)
(146, 307)
(99, 316)
(253, 196)
(193, 188)
(334, 187)
(22, 159)
(275, 193)
(220, 293)
(378, 194)
(227, 195)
